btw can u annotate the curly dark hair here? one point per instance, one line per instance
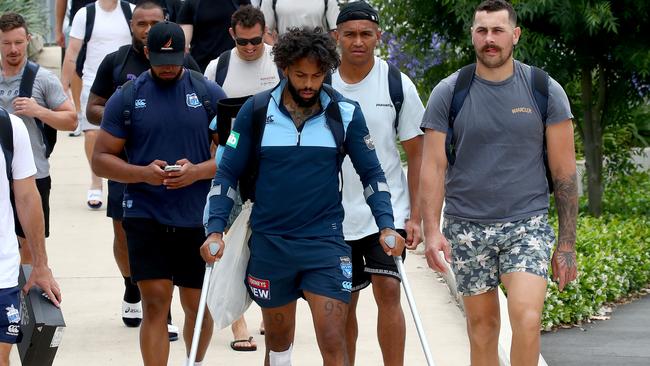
(247, 16)
(298, 43)
(498, 5)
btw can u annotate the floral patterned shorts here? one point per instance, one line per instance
(482, 252)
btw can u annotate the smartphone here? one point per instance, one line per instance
(172, 168)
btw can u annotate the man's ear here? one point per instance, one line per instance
(146, 52)
(232, 32)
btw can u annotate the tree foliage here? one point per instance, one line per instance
(598, 50)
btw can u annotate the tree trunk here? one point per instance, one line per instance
(593, 135)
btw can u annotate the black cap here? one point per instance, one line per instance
(166, 44)
(357, 10)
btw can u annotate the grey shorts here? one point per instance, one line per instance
(482, 252)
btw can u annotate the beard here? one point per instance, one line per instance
(138, 45)
(300, 101)
(493, 62)
(166, 81)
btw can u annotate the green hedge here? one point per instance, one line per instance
(613, 255)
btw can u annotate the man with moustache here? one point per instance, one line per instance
(167, 127)
(125, 64)
(365, 78)
(297, 246)
(495, 189)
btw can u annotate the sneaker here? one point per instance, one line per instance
(172, 330)
(132, 313)
(76, 132)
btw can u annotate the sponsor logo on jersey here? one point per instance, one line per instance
(522, 110)
(131, 76)
(260, 288)
(369, 143)
(233, 139)
(13, 315)
(140, 103)
(346, 266)
(384, 105)
(192, 100)
(269, 119)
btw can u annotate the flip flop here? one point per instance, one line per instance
(94, 195)
(249, 348)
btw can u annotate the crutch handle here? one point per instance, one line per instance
(390, 241)
(214, 248)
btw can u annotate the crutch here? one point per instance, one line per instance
(390, 242)
(214, 248)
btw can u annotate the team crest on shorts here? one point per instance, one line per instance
(13, 315)
(192, 100)
(260, 288)
(346, 267)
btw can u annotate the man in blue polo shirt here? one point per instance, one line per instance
(167, 140)
(297, 246)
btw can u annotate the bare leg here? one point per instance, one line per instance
(240, 331)
(89, 145)
(280, 325)
(526, 294)
(190, 302)
(5, 350)
(329, 317)
(483, 324)
(391, 329)
(352, 328)
(120, 251)
(154, 342)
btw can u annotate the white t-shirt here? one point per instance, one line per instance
(22, 167)
(110, 32)
(300, 13)
(246, 77)
(374, 98)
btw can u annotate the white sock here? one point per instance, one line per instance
(281, 358)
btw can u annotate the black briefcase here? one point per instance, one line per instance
(41, 324)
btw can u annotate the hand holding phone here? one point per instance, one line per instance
(172, 168)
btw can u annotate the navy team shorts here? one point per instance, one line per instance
(280, 268)
(10, 317)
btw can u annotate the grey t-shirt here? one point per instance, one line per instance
(499, 173)
(48, 93)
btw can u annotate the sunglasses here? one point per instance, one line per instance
(245, 41)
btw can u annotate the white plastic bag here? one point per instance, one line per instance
(228, 298)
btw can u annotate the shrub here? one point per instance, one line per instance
(613, 254)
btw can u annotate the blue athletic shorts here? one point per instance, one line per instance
(10, 320)
(281, 268)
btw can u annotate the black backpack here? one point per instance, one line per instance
(90, 23)
(7, 142)
(25, 90)
(222, 68)
(260, 106)
(198, 83)
(394, 90)
(539, 84)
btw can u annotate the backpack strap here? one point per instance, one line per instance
(222, 67)
(395, 91)
(25, 89)
(539, 82)
(199, 84)
(7, 142)
(335, 122)
(128, 14)
(128, 100)
(120, 59)
(90, 21)
(249, 175)
(461, 90)
(275, 16)
(327, 23)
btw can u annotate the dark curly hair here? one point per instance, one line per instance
(298, 43)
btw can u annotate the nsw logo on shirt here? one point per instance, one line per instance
(192, 100)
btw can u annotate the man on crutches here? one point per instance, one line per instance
(393, 110)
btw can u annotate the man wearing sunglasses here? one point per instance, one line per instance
(248, 68)
(245, 70)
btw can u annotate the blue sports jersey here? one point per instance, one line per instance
(297, 189)
(168, 123)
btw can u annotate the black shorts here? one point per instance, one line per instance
(44, 185)
(114, 207)
(158, 251)
(369, 258)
